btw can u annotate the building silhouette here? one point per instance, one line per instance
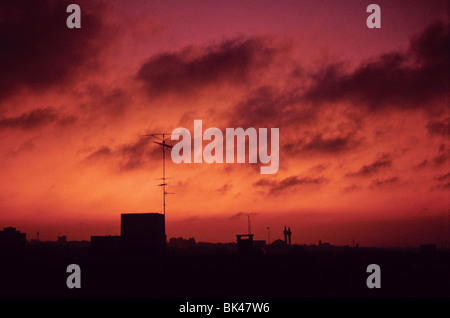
(143, 232)
(244, 244)
(179, 242)
(62, 239)
(428, 249)
(11, 239)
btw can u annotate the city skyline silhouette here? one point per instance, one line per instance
(135, 264)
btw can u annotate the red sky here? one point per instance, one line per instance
(363, 117)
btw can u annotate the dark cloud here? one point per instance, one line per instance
(289, 183)
(26, 146)
(443, 155)
(421, 165)
(232, 62)
(444, 181)
(38, 50)
(323, 145)
(100, 153)
(319, 168)
(226, 187)
(269, 106)
(443, 177)
(138, 154)
(424, 211)
(439, 127)
(351, 188)
(105, 101)
(384, 162)
(440, 159)
(330, 145)
(444, 185)
(399, 79)
(383, 182)
(127, 157)
(36, 118)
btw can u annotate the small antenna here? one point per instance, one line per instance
(249, 227)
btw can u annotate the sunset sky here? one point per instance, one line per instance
(363, 116)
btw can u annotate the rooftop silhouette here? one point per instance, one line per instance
(246, 267)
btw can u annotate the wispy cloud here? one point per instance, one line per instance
(241, 214)
(36, 118)
(289, 183)
(384, 162)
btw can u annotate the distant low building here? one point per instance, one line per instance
(78, 249)
(428, 249)
(182, 243)
(278, 247)
(101, 245)
(62, 239)
(261, 244)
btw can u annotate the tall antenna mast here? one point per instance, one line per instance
(249, 227)
(164, 147)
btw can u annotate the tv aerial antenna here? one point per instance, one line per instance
(161, 137)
